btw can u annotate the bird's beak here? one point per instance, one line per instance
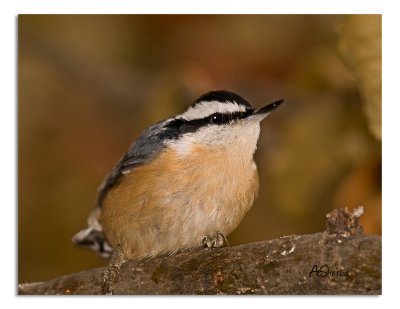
(263, 112)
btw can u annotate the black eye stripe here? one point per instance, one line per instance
(222, 118)
(219, 118)
(180, 126)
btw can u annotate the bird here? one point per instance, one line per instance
(186, 182)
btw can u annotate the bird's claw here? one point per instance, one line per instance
(214, 242)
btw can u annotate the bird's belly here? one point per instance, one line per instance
(161, 208)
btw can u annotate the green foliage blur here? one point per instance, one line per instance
(89, 84)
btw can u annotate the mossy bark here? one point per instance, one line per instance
(340, 260)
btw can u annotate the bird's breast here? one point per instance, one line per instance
(173, 201)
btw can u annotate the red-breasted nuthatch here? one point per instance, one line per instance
(185, 182)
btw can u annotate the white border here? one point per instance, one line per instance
(391, 131)
(195, 7)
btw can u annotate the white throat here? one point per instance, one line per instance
(236, 139)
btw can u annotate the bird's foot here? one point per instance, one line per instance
(112, 273)
(214, 242)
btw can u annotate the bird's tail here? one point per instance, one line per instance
(93, 237)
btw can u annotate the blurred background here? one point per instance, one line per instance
(89, 84)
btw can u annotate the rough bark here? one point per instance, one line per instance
(340, 260)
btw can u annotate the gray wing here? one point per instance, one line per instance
(149, 143)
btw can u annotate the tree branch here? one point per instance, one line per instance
(340, 260)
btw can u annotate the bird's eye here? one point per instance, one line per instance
(217, 118)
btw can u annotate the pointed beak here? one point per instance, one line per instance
(263, 112)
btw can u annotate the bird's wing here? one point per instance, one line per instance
(149, 143)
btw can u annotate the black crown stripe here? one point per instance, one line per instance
(222, 96)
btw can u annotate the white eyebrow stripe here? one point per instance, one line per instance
(205, 109)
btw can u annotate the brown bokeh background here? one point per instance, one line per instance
(88, 85)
